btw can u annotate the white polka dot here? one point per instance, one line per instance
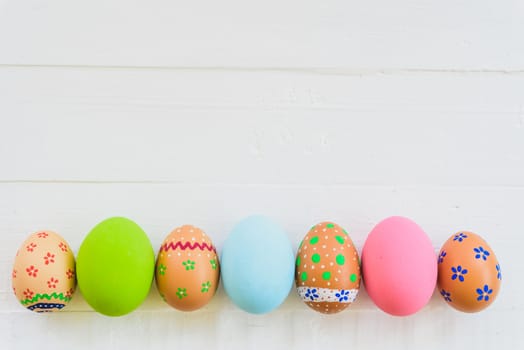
(305, 256)
(330, 264)
(322, 266)
(325, 237)
(312, 267)
(305, 266)
(313, 279)
(324, 246)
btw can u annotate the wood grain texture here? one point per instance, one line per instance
(203, 112)
(376, 35)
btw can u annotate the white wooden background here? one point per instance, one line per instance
(203, 112)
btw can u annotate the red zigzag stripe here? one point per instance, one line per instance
(192, 246)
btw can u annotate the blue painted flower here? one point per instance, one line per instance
(446, 295)
(481, 253)
(460, 237)
(483, 294)
(458, 272)
(311, 293)
(499, 273)
(342, 295)
(441, 256)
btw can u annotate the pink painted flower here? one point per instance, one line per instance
(63, 246)
(52, 282)
(13, 274)
(43, 234)
(49, 258)
(70, 274)
(31, 271)
(28, 293)
(30, 247)
(69, 293)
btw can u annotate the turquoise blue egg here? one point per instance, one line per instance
(257, 265)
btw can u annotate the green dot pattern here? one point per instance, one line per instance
(340, 259)
(353, 277)
(340, 239)
(314, 240)
(298, 261)
(315, 258)
(330, 225)
(326, 275)
(303, 276)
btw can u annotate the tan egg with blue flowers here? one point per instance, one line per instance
(187, 269)
(469, 275)
(327, 274)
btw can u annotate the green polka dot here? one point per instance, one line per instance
(298, 260)
(340, 239)
(313, 227)
(315, 258)
(326, 275)
(340, 259)
(346, 232)
(314, 240)
(353, 277)
(303, 276)
(330, 225)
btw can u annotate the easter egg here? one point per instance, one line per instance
(327, 273)
(399, 266)
(43, 274)
(115, 266)
(187, 269)
(257, 265)
(469, 275)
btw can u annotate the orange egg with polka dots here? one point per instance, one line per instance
(187, 269)
(327, 274)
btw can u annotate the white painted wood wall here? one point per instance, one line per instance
(203, 112)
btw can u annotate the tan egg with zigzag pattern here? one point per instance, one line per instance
(187, 269)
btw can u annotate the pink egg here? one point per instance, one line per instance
(399, 266)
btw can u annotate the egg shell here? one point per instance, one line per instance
(43, 274)
(327, 273)
(257, 265)
(187, 269)
(399, 266)
(469, 275)
(115, 266)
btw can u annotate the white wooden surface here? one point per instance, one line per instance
(203, 112)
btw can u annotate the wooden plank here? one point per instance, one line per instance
(63, 124)
(371, 35)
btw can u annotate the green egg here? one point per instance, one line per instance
(115, 266)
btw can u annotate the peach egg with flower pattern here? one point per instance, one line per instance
(43, 275)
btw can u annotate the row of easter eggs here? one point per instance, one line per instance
(116, 263)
